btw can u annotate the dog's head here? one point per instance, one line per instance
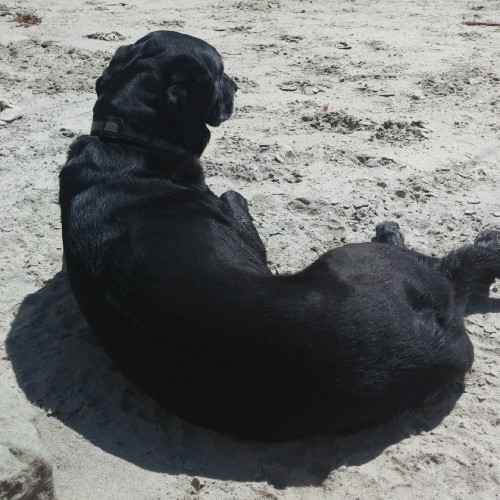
(167, 85)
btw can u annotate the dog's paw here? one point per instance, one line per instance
(489, 238)
(234, 199)
(389, 232)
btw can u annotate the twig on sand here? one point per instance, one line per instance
(479, 23)
(26, 19)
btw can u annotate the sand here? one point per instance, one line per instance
(348, 113)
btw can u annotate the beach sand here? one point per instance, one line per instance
(348, 113)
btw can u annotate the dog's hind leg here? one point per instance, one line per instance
(488, 238)
(238, 207)
(389, 232)
(474, 267)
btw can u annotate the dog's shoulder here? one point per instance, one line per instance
(79, 144)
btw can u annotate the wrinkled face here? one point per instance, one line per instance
(224, 104)
(168, 85)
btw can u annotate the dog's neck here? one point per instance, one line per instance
(113, 128)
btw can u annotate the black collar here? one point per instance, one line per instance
(114, 128)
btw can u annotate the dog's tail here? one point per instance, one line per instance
(474, 267)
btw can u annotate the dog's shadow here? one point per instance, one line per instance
(62, 368)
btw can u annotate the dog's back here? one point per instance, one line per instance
(184, 309)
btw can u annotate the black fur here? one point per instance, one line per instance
(174, 279)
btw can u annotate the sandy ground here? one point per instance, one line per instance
(348, 113)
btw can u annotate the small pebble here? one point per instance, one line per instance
(197, 484)
(273, 229)
(360, 204)
(10, 114)
(67, 133)
(288, 88)
(258, 176)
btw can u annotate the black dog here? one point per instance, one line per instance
(174, 279)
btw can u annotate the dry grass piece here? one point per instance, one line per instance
(479, 23)
(27, 19)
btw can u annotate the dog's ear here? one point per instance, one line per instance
(190, 96)
(121, 58)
